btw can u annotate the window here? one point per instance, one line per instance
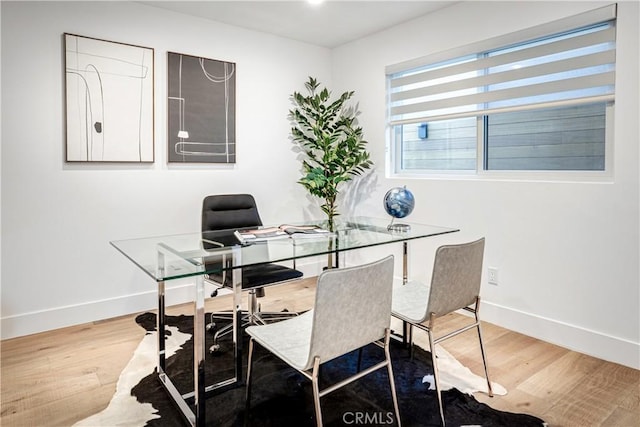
(538, 104)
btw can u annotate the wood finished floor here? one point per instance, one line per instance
(57, 378)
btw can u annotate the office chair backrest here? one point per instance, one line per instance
(457, 273)
(352, 309)
(229, 211)
(226, 212)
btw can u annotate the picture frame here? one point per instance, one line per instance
(109, 89)
(201, 101)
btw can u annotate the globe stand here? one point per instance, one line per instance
(403, 228)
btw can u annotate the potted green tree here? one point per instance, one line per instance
(328, 134)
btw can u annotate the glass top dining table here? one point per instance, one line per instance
(171, 257)
(185, 255)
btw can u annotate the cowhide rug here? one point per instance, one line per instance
(282, 397)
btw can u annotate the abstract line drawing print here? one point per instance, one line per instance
(201, 110)
(109, 101)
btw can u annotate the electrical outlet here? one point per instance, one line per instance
(492, 275)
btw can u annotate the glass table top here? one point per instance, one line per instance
(184, 255)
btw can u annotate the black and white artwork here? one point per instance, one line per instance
(201, 110)
(109, 101)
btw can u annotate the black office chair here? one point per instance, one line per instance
(237, 212)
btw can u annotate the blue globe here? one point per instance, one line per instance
(399, 202)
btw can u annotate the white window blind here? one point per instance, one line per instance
(572, 68)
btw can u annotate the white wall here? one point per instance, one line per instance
(58, 218)
(567, 253)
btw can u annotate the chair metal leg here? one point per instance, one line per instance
(314, 374)
(405, 327)
(392, 383)
(410, 333)
(249, 369)
(316, 391)
(484, 359)
(434, 361)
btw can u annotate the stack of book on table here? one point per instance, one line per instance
(283, 231)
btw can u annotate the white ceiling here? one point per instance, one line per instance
(329, 24)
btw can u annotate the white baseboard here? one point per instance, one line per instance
(70, 315)
(573, 337)
(176, 292)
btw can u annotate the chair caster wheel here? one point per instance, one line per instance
(210, 326)
(214, 348)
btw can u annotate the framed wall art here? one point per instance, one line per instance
(201, 110)
(109, 101)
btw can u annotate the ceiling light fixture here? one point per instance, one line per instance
(315, 2)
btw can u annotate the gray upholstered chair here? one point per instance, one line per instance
(455, 285)
(352, 309)
(223, 214)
